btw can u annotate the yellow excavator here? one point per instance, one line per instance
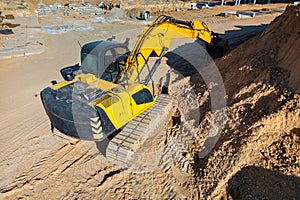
(106, 93)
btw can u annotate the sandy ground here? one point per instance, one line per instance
(35, 164)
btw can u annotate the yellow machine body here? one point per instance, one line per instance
(96, 103)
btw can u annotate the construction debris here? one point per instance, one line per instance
(5, 30)
(9, 17)
(20, 40)
(56, 8)
(196, 6)
(65, 29)
(250, 13)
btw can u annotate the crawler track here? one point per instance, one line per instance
(122, 149)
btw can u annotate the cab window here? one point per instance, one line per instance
(108, 58)
(89, 63)
(122, 54)
(120, 51)
(111, 69)
(142, 96)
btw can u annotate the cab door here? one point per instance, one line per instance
(114, 59)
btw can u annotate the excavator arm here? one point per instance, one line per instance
(156, 39)
(108, 95)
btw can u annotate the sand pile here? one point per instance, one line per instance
(271, 56)
(261, 135)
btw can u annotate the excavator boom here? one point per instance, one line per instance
(157, 37)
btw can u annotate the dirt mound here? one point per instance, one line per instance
(261, 79)
(116, 13)
(255, 182)
(269, 57)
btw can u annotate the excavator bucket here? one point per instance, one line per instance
(218, 47)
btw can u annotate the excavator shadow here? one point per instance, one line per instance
(102, 146)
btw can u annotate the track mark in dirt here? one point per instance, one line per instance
(54, 163)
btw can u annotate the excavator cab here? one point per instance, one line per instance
(104, 59)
